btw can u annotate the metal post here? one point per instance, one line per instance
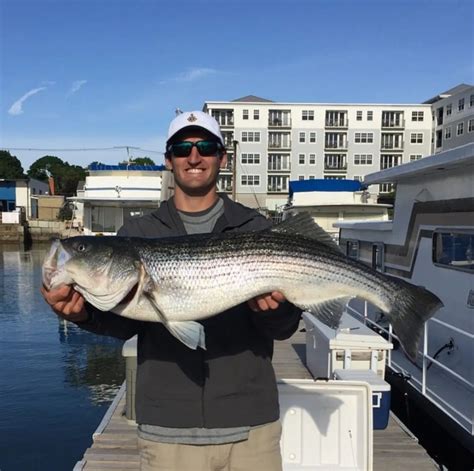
(234, 171)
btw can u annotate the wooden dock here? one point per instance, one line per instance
(114, 444)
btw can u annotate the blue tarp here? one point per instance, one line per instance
(297, 186)
(149, 168)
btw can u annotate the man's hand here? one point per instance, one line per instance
(66, 303)
(267, 301)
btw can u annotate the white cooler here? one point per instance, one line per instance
(352, 346)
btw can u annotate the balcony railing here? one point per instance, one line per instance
(392, 146)
(279, 169)
(335, 167)
(279, 123)
(276, 189)
(335, 145)
(336, 123)
(393, 124)
(279, 145)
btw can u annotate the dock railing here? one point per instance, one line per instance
(427, 359)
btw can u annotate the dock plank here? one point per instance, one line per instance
(115, 447)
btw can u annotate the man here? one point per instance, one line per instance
(213, 409)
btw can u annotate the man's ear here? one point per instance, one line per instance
(168, 163)
(223, 159)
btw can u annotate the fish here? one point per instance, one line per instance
(181, 280)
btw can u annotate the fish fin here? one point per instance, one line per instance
(189, 332)
(328, 312)
(303, 224)
(412, 308)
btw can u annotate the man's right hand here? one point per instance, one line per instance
(66, 303)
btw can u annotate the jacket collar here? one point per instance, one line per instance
(234, 215)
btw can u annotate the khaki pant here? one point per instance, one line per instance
(261, 452)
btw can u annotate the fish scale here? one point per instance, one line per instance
(181, 280)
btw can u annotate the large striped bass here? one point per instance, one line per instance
(181, 280)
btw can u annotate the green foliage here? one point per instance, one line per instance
(66, 177)
(10, 166)
(65, 213)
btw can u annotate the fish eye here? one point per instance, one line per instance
(81, 248)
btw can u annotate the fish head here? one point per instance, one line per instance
(103, 269)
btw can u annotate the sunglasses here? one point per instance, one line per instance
(205, 148)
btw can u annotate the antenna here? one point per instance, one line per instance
(178, 111)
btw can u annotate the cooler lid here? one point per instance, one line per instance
(368, 376)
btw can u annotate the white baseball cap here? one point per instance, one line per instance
(198, 119)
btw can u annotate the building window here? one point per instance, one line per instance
(449, 109)
(414, 157)
(364, 137)
(256, 114)
(471, 100)
(250, 180)
(447, 132)
(103, 219)
(307, 115)
(277, 183)
(460, 129)
(302, 137)
(224, 117)
(461, 104)
(279, 140)
(416, 138)
(250, 158)
(301, 159)
(389, 161)
(359, 116)
(334, 177)
(370, 115)
(249, 136)
(300, 177)
(417, 115)
(311, 177)
(312, 159)
(357, 178)
(224, 183)
(279, 162)
(362, 159)
(470, 125)
(312, 137)
(245, 114)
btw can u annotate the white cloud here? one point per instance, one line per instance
(190, 75)
(17, 107)
(76, 86)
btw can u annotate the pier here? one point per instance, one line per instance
(114, 444)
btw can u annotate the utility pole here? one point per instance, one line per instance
(234, 170)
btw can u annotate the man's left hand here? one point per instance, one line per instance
(267, 301)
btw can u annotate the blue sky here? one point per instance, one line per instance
(106, 73)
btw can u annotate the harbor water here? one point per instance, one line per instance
(56, 380)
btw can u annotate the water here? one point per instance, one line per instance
(56, 380)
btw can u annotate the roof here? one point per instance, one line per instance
(253, 99)
(462, 87)
(459, 157)
(149, 168)
(316, 184)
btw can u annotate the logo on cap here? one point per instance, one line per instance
(192, 118)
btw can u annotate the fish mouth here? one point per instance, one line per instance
(53, 270)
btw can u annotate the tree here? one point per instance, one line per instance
(66, 177)
(10, 166)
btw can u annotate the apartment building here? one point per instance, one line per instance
(278, 142)
(453, 117)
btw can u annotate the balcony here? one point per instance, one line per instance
(390, 124)
(337, 123)
(277, 169)
(391, 146)
(335, 167)
(279, 123)
(339, 146)
(279, 145)
(276, 189)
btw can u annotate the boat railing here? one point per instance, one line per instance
(427, 360)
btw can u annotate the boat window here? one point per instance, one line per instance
(103, 219)
(352, 249)
(454, 250)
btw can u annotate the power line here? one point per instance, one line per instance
(86, 149)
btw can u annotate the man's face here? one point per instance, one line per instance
(196, 174)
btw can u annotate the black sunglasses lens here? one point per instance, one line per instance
(206, 148)
(181, 149)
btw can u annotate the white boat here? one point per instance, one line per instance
(429, 242)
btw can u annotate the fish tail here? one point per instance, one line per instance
(412, 307)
